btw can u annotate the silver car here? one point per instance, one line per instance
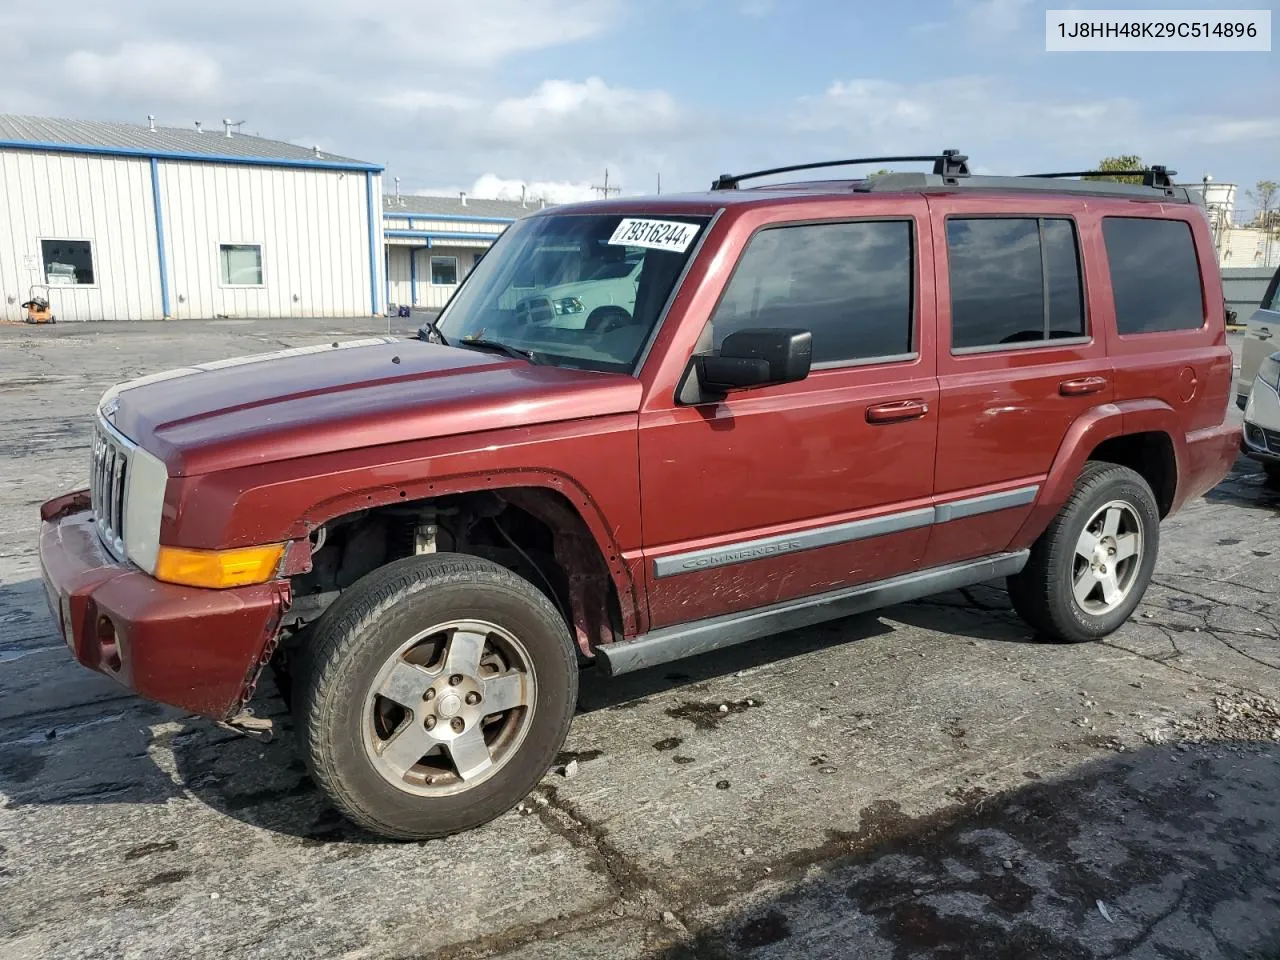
(1261, 339)
(1262, 418)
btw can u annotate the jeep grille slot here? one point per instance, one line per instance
(108, 476)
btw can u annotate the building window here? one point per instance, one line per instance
(241, 264)
(1155, 276)
(67, 262)
(444, 271)
(850, 284)
(1013, 281)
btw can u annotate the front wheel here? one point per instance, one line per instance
(1272, 470)
(434, 695)
(1089, 570)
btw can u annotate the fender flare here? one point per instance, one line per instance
(576, 497)
(1104, 422)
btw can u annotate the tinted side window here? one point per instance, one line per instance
(1269, 299)
(997, 286)
(1066, 293)
(1013, 281)
(848, 283)
(1155, 276)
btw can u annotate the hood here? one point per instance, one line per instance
(341, 396)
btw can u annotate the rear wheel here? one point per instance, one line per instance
(434, 695)
(1089, 570)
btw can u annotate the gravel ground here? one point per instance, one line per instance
(923, 782)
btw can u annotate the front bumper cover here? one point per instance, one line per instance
(200, 650)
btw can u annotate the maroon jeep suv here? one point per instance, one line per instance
(648, 428)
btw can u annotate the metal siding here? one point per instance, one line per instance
(398, 275)
(373, 237)
(434, 296)
(298, 217)
(100, 199)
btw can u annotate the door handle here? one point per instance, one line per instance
(897, 411)
(1264, 333)
(1083, 386)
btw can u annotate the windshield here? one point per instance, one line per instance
(576, 290)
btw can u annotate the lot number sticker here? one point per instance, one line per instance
(657, 234)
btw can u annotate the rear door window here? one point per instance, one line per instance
(1013, 281)
(1155, 276)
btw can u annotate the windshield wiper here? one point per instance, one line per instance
(506, 348)
(431, 333)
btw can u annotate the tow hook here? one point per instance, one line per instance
(244, 722)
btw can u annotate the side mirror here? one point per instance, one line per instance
(756, 358)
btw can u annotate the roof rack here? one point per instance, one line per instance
(950, 164)
(1154, 176)
(925, 182)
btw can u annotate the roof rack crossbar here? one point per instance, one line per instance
(949, 163)
(1155, 176)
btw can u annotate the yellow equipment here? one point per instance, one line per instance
(37, 307)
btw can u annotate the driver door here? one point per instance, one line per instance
(798, 489)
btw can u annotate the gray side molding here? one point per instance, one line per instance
(702, 636)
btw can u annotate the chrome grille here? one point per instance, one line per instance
(108, 475)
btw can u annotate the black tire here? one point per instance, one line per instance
(605, 319)
(358, 634)
(1272, 470)
(1042, 592)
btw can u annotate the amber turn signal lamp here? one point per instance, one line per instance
(218, 569)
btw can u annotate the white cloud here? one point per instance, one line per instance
(492, 187)
(1232, 131)
(966, 112)
(164, 71)
(995, 19)
(427, 100)
(558, 105)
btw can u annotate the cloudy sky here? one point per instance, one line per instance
(483, 94)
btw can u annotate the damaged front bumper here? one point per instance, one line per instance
(200, 650)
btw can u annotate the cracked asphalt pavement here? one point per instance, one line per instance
(921, 782)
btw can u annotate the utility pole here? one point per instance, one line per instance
(606, 191)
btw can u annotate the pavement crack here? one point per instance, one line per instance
(1225, 583)
(1247, 656)
(563, 818)
(1218, 600)
(980, 604)
(1149, 929)
(1191, 673)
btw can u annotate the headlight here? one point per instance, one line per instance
(1269, 372)
(218, 569)
(567, 305)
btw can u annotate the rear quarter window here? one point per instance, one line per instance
(1155, 276)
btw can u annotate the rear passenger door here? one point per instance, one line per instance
(801, 488)
(1019, 359)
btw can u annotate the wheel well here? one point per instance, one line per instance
(533, 532)
(1149, 454)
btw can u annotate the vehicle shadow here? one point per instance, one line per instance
(94, 743)
(1170, 851)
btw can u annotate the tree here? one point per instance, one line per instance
(1264, 195)
(1126, 161)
